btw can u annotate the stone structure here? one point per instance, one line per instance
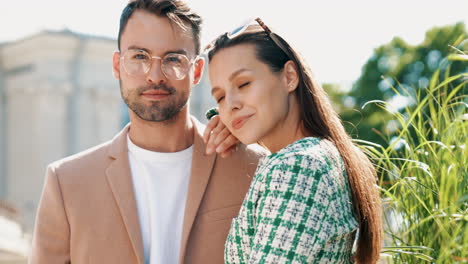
(57, 97)
(14, 242)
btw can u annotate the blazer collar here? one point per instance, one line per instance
(120, 181)
(202, 166)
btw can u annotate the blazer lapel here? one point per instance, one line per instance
(202, 165)
(120, 181)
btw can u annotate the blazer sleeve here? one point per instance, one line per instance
(292, 224)
(51, 239)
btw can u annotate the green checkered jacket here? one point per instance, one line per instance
(297, 210)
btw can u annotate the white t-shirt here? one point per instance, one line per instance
(160, 182)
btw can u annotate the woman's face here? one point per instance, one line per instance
(252, 100)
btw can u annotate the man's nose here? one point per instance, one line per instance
(155, 74)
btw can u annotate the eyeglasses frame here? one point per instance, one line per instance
(122, 57)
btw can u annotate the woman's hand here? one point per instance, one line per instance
(218, 138)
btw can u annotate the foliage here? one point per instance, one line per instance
(423, 169)
(412, 66)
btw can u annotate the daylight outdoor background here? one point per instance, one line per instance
(396, 73)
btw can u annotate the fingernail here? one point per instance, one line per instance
(209, 151)
(219, 149)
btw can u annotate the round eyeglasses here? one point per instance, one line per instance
(138, 62)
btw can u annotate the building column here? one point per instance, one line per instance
(108, 108)
(3, 140)
(37, 135)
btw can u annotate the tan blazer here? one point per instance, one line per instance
(88, 214)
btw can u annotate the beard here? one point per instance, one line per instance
(156, 111)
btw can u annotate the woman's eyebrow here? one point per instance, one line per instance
(234, 74)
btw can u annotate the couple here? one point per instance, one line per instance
(157, 192)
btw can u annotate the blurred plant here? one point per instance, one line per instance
(423, 169)
(413, 66)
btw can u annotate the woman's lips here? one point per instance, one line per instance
(240, 121)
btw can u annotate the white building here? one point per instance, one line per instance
(14, 242)
(57, 97)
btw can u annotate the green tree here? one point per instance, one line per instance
(399, 68)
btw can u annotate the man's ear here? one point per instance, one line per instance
(116, 65)
(291, 75)
(198, 73)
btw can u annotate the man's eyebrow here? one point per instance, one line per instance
(134, 47)
(179, 51)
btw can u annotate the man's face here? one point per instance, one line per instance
(153, 96)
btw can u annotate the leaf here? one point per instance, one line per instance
(458, 57)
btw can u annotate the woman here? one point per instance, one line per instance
(310, 196)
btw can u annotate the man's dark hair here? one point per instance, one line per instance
(176, 11)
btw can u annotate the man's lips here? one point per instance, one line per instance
(240, 121)
(155, 94)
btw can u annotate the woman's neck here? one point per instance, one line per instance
(285, 132)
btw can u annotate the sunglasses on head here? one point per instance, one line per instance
(244, 26)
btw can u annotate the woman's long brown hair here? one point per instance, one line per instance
(320, 119)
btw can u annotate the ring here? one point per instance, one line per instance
(211, 112)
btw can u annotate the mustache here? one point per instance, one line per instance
(161, 87)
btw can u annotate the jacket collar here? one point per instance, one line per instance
(120, 182)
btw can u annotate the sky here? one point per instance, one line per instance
(335, 37)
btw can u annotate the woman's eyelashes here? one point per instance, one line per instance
(244, 84)
(219, 99)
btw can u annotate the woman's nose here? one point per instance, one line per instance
(234, 101)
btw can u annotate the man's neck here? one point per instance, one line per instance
(167, 136)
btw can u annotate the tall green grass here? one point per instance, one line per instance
(424, 172)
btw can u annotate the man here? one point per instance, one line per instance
(151, 194)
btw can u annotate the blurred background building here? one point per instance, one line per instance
(57, 97)
(14, 242)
